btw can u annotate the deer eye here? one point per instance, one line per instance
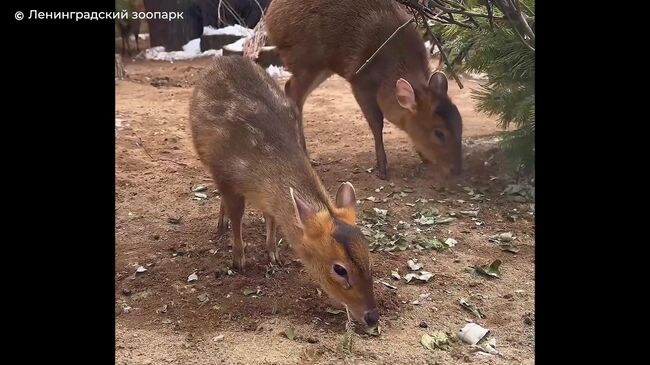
(440, 135)
(340, 270)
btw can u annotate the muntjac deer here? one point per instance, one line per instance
(318, 38)
(245, 131)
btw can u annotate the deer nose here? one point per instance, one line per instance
(371, 317)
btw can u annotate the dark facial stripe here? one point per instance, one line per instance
(451, 116)
(344, 233)
(347, 235)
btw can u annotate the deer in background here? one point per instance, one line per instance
(318, 38)
(129, 26)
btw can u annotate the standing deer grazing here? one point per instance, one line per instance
(317, 38)
(245, 131)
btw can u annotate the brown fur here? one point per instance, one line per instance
(245, 131)
(316, 38)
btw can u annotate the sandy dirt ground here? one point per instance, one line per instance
(161, 318)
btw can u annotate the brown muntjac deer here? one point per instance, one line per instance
(245, 131)
(317, 38)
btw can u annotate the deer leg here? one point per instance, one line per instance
(271, 239)
(222, 223)
(298, 88)
(235, 205)
(367, 99)
(123, 45)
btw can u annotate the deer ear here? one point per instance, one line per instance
(405, 95)
(438, 83)
(345, 196)
(303, 211)
(346, 202)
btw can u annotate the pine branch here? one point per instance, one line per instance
(518, 21)
(443, 54)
